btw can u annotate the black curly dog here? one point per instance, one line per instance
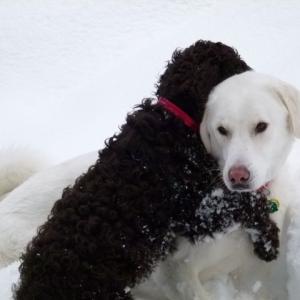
(148, 186)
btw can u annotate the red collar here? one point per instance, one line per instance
(179, 113)
(265, 188)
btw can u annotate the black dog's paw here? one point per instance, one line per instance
(266, 241)
(267, 251)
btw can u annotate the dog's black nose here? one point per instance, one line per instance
(239, 176)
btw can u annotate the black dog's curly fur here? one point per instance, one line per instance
(153, 182)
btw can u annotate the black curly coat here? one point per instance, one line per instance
(153, 182)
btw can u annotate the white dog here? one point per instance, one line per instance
(249, 126)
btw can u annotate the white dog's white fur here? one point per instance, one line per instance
(16, 165)
(238, 104)
(24, 209)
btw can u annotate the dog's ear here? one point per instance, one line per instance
(290, 97)
(205, 137)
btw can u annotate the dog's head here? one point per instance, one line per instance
(193, 72)
(249, 125)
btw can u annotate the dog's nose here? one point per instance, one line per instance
(239, 175)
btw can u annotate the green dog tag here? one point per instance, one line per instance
(273, 205)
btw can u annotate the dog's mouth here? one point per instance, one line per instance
(238, 187)
(241, 188)
(241, 179)
(246, 187)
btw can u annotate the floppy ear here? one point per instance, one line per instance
(205, 137)
(290, 97)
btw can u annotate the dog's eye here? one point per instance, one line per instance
(261, 127)
(222, 131)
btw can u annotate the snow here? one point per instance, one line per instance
(223, 289)
(8, 276)
(256, 286)
(71, 70)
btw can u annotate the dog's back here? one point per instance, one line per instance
(17, 165)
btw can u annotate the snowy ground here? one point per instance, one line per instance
(71, 70)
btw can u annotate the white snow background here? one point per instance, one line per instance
(71, 70)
